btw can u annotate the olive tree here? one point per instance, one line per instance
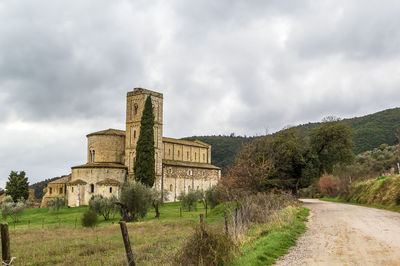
(12, 209)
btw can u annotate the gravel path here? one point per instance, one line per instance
(342, 234)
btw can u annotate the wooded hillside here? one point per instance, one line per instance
(370, 132)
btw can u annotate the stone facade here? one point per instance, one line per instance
(55, 188)
(180, 165)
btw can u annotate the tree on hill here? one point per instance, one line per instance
(17, 186)
(144, 168)
(332, 143)
(290, 161)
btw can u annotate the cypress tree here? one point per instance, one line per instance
(145, 162)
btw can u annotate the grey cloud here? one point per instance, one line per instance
(223, 66)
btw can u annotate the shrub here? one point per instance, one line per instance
(103, 206)
(135, 201)
(89, 219)
(329, 186)
(189, 200)
(212, 196)
(12, 209)
(206, 247)
(55, 203)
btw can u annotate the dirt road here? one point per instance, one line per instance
(342, 234)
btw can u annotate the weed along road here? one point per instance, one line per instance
(343, 234)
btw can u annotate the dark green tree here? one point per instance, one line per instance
(145, 162)
(332, 143)
(17, 186)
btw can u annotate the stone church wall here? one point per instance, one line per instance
(107, 148)
(81, 194)
(178, 179)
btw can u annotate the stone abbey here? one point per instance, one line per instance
(180, 165)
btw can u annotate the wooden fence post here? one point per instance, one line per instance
(5, 244)
(226, 223)
(127, 243)
(201, 222)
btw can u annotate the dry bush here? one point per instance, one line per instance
(206, 246)
(256, 209)
(329, 186)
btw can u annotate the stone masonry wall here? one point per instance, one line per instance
(182, 179)
(80, 194)
(108, 148)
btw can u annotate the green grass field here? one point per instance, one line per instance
(45, 238)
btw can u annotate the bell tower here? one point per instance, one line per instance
(134, 110)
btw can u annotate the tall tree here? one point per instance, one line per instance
(17, 186)
(332, 143)
(145, 162)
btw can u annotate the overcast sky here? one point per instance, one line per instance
(223, 66)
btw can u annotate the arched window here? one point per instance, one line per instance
(92, 154)
(170, 187)
(134, 134)
(110, 189)
(135, 109)
(91, 188)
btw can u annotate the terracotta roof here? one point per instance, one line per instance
(62, 180)
(108, 181)
(100, 165)
(190, 164)
(110, 131)
(77, 181)
(196, 143)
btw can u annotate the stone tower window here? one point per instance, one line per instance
(110, 189)
(72, 189)
(187, 156)
(51, 190)
(92, 154)
(179, 153)
(195, 156)
(61, 190)
(135, 109)
(189, 188)
(170, 187)
(134, 134)
(91, 188)
(169, 151)
(204, 157)
(190, 172)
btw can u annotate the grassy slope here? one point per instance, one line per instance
(268, 242)
(376, 206)
(381, 193)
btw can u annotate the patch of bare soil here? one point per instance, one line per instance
(342, 234)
